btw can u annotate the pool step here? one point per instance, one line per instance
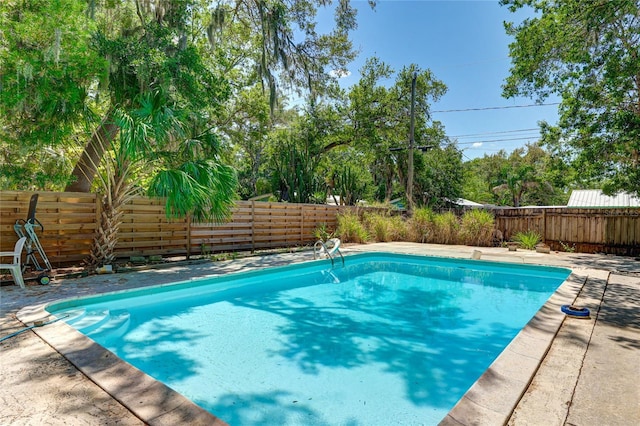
(91, 320)
(72, 315)
(103, 324)
(116, 326)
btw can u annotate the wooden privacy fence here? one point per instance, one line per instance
(612, 231)
(69, 221)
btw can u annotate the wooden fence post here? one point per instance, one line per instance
(253, 226)
(302, 206)
(188, 236)
(98, 213)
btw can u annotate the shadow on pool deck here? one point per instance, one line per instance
(587, 376)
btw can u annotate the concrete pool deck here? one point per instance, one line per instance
(587, 372)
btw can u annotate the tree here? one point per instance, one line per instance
(439, 176)
(294, 163)
(157, 93)
(181, 152)
(247, 127)
(377, 121)
(348, 182)
(588, 53)
(46, 78)
(67, 61)
(517, 181)
(528, 175)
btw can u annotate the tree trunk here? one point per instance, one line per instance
(104, 243)
(87, 166)
(118, 191)
(389, 188)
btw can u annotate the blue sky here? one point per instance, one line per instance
(465, 45)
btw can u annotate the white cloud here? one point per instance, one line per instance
(477, 144)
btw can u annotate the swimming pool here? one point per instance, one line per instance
(387, 337)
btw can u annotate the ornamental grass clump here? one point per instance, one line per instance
(445, 228)
(476, 228)
(420, 226)
(385, 228)
(527, 240)
(350, 229)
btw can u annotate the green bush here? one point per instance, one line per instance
(476, 228)
(385, 228)
(420, 226)
(322, 232)
(527, 240)
(350, 229)
(445, 228)
(398, 228)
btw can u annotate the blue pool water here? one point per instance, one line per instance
(384, 339)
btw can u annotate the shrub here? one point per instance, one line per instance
(527, 240)
(420, 226)
(568, 248)
(476, 228)
(350, 229)
(398, 228)
(385, 228)
(445, 227)
(322, 232)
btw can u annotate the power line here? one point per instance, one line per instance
(493, 108)
(497, 140)
(494, 133)
(488, 138)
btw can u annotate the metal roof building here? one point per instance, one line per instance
(595, 198)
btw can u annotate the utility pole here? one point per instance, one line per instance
(411, 144)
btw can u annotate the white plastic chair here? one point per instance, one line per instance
(16, 266)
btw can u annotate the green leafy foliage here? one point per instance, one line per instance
(295, 174)
(421, 225)
(350, 229)
(439, 176)
(445, 228)
(383, 227)
(527, 176)
(566, 247)
(46, 71)
(527, 240)
(351, 184)
(322, 232)
(586, 53)
(476, 228)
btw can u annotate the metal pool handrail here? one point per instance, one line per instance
(320, 247)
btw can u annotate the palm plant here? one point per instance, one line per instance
(190, 176)
(117, 189)
(516, 183)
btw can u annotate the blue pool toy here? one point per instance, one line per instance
(574, 311)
